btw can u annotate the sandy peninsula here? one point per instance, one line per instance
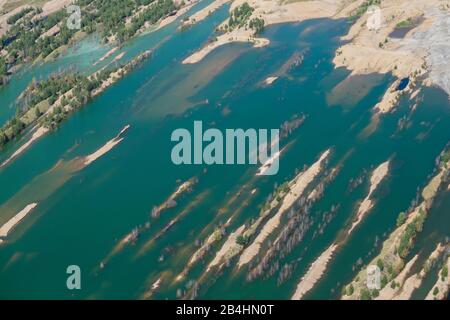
(14, 221)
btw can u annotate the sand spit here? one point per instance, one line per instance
(389, 255)
(229, 243)
(377, 176)
(415, 281)
(314, 273)
(36, 135)
(268, 163)
(388, 293)
(168, 20)
(442, 285)
(106, 148)
(270, 80)
(205, 12)
(107, 55)
(297, 187)
(14, 221)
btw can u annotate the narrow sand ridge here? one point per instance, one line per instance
(229, 243)
(36, 135)
(441, 284)
(271, 11)
(377, 176)
(314, 273)
(415, 281)
(106, 148)
(8, 226)
(387, 293)
(270, 80)
(298, 186)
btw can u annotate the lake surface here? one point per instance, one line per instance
(83, 214)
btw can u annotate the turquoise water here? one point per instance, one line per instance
(82, 214)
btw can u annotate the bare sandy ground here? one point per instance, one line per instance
(36, 135)
(377, 176)
(314, 273)
(297, 187)
(8, 226)
(106, 148)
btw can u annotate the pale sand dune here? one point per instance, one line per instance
(106, 148)
(8, 226)
(231, 241)
(314, 273)
(377, 176)
(443, 286)
(36, 135)
(297, 187)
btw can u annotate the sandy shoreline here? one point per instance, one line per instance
(297, 187)
(14, 221)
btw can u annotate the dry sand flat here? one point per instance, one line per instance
(297, 187)
(14, 221)
(314, 273)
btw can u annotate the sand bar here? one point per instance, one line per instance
(314, 273)
(8, 226)
(377, 176)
